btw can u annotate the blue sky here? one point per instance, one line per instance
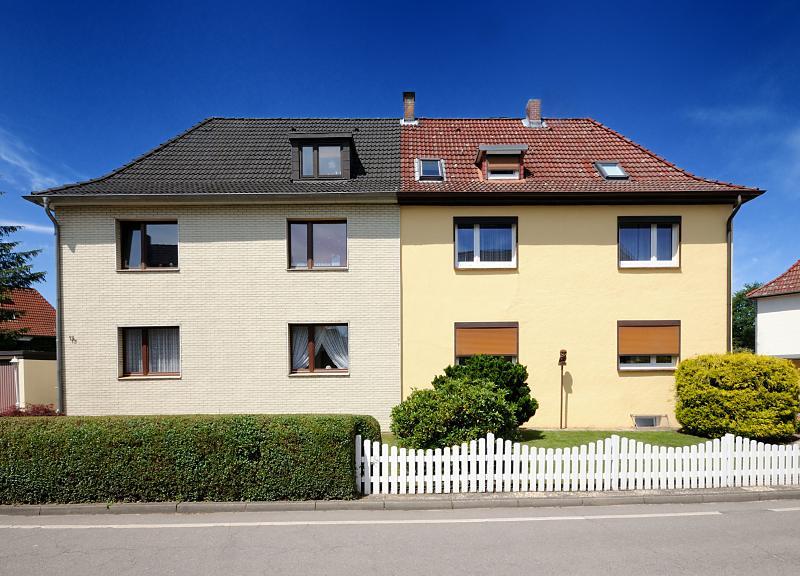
(712, 86)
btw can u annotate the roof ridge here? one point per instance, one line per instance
(131, 162)
(664, 160)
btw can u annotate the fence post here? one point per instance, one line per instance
(358, 463)
(727, 457)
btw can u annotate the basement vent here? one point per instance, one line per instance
(646, 421)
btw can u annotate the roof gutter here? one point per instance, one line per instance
(729, 287)
(59, 315)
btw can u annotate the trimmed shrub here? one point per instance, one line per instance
(184, 458)
(507, 376)
(456, 411)
(744, 394)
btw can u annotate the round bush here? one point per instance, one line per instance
(744, 394)
(507, 376)
(456, 411)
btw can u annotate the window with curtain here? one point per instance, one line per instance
(314, 245)
(151, 351)
(646, 242)
(148, 245)
(319, 347)
(648, 344)
(486, 242)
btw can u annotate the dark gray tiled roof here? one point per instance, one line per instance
(251, 156)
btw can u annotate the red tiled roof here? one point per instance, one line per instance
(560, 159)
(786, 283)
(39, 318)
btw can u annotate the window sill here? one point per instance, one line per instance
(150, 377)
(320, 373)
(140, 270)
(629, 265)
(647, 369)
(506, 266)
(320, 269)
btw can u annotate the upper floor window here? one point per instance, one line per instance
(485, 242)
(148, 245)
(430, 169)
(611, 170)
(649, 242)
(152, 351)
(317, 244)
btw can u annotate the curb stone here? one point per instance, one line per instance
(422, 502)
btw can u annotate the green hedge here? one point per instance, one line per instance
(745, 394)
(183, 458)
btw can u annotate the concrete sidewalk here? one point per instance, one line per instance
(426, 502)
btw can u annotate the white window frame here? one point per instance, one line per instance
(492, 175)
(654, 262)
(603, 165)
(652, 365)
(418, 170)
(476, 249)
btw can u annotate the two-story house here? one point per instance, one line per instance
(296, 265)
(247, 265)
(521, 237)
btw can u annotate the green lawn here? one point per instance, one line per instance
(565, 438)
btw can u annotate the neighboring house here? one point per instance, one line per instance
(247, 265)
(258, 265)
(524, 236)
(778, 315)
(28, 367)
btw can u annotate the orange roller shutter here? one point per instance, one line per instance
(496, 341)
(647, 340)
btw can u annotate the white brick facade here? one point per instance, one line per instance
(233, 299)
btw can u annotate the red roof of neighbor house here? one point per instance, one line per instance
(39, 318)
(560, 159)
(786, 283)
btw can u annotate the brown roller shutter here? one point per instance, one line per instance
(499, 340)
(503, 162)
(646, 339)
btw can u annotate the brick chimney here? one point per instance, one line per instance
(409, 99)
(533, 113)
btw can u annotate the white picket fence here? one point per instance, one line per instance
(616, 463)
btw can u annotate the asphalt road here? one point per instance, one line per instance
(734, 538)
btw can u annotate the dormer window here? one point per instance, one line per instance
(611, 170)
(430, 169)
(502, 167)
(320, 156)
(501, 161)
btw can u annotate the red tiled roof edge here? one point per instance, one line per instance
(786, 283)
(38, 318)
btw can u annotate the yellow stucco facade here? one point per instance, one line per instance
(566, 292)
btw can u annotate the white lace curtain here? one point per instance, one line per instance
(332, 339)
(299, 347)
(132, 362)
(164, 350)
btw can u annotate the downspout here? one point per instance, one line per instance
(59, 316)
(729, 238)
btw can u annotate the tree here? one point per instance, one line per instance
(744, 319)
(16, 271)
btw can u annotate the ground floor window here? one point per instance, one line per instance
(151, 351)
(491, 338)
(648, 344)
(319, 347)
